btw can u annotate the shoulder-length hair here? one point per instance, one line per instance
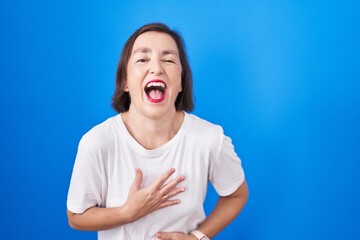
(121, 99)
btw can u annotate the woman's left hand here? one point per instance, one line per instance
(174, 236)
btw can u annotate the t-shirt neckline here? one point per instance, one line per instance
(152, 152)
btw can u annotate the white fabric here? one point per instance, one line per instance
(105, 168)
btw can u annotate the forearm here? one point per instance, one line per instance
(140, 202)
(225, 211)
(98, 219)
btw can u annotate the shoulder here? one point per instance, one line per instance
(205, 130)
(100, 135)
(204, 125)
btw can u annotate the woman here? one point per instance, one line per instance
(143, 173)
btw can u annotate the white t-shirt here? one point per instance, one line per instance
(105, 169)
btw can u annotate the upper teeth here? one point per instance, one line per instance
(156, 84)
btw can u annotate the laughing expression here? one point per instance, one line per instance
(154, 74)
(155, 91)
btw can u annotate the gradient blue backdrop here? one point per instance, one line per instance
(281, 77)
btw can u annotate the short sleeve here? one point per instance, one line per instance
(227, 173)
(85, 185)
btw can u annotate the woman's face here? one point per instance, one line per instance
(153, 74)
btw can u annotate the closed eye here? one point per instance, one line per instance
(168, 61)
(141, 60)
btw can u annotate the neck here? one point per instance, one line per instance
(152, 133)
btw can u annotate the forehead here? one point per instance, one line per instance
(155, 41)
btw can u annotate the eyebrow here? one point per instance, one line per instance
(148, 50)
(142, 50)
(165, 52)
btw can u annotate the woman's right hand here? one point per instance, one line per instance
(142, 201)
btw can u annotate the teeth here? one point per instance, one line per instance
(156, 84)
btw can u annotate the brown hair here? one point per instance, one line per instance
(121, 99)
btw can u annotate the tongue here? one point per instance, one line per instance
(155, 94)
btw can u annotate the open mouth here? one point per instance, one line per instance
(155, 91)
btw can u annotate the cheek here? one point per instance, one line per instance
(180, 79)
(135, 76)
(177, 73)
(136, 70)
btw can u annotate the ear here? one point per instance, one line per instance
(126, 88)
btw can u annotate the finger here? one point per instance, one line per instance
(169, 186)
(136, 185)
(170, 235)
(164, 236)
(168, 203)
(173, 193)
(159, 182)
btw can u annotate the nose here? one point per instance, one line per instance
(156, 68)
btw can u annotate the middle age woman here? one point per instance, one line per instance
(143, 173)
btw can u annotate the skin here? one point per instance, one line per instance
(155, 56)
(153, 59)
(140, 202)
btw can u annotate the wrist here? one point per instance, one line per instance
(198, 235)
(192, 237)
(125, 214)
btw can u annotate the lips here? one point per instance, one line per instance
(155, 90)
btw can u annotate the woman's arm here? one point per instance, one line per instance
(140, 202)
(97, 219)
(226, 209)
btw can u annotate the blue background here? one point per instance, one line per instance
(281, 77)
